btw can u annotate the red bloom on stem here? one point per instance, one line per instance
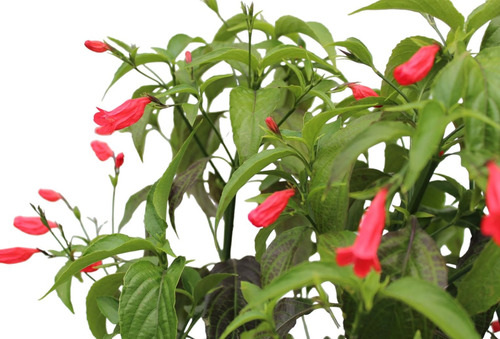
(16, 254)
(102, 150)
(32, 225)
(49, 195)
(495, 326)
(360, 92)
(269, 211)
(364, 251)
(273, 127)
(189, 58)
(119, 160)
(91, 268)
(417, 67)
(123, 116)
(97, 46)
(490, 225)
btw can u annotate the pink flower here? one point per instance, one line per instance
(16, 254)
(360, 92)
(32, 225)
(49, 195)
(119, 160)
(102, 150)
(123, 116)
(364, 251)
(269, 211)
(92, 268)
(97, 46)
(417, 67)
(490, 225)
(273, 127)
(189, 58)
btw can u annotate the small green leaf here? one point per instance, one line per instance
(482, 14)
(208, 284)
(359, 52)
(109, 308)
(395, 158)
(132, 204)
(178, 43)
(281, 53)
(64, 290)
(491, 37)
(155, 225)
(435, 303)
(212, 4)
(450, 83)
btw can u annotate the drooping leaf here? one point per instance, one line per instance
(64, 290)
(395, 157)
(248, 110)
(287, 311)
(147, 303)
(282, 53)
(435, 303)
(178, 43)
(155, 225)
(225, 303)
(357, 50)
(491, 37)
(109, 308)
(132, 204)
(481, 15)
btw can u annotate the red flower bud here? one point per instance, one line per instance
(32, 225)
(417, 67)
(91, 268)
(269, 211)
(97, 46)
(490, 225)
(119, 160)
(102, 150)
(360, 92)
(273, 127)
(189, 58)
(495, 326)
(49, 195)
(364, 251)
(16, 254)
(123, 116)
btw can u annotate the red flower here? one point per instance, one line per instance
(269, 211)
(490, 225)
(97, 46)
(273, 127)
(119, 160)
(360, 92)
(102, 150)
(49, 195)
(364, 251)
(189, 58)
(91, 268)
(32, 225)
(123, 116)
(417, 67)
(495, 326)
(16, 254)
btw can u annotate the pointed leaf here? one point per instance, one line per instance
(132, 204)
(482, 14)
(491, 37)
(109, 308)
(64, 290)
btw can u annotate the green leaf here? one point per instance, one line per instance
(482, 14)
(101, 248)
(241, 176)
(426, 140)
(441, 9)
(450, 84)
(212, 4)
(132, 204)
(215, 85)
(64, 290)
(208, 284)
(479, 289)
(109, 308)
(329, 242)
(435, 303)
(248, 110)
(107, 286)
(155, 225)
(491, 37)
(287, 311)
(178, 43)
(395, 157)
(281, 53)
(225, 54)
(147, 303)
(285, 251)
(358, 50)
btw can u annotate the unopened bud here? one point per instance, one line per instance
(273, 127)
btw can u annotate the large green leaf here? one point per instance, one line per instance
(248, 110)
(441, 9)
(241, 176)
(147, 303)
(435, 303)
(107, 286)
(479, 289)
(482, 14)
(64, 290)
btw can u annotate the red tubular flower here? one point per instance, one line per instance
(495, 326)
(417, 67)
(16, 254)
(119, 160)
(91, 268)
(364, 251)
(269, 211)
(97, 46)
(360, 92)
(123, 116)
(490, 225)
(32, 225)
(189, 58)
(102, 150)
(49, 195)
(273, 127)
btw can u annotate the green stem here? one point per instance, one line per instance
(410, 244)
(229, 222)
(217, 133)
(464, 270)
(432, 22)
(77, 218)
(390, 83)
(420, 186)
(113, 210)
(305, 327)
(151, 78)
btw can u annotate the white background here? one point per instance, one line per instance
(50, 85)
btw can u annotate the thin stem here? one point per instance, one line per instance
(410, 244)
(149, 77)
(250, 73)
(390, 83)
(77, 218)
(464, 270)
(214, 236)
(113, 210)
(305, 327)
(156, 75)
(432, 22)
(216, 131)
